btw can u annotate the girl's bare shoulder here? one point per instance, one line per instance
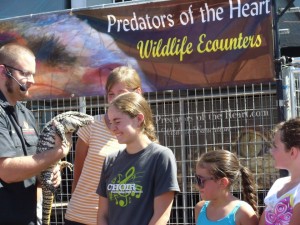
(199, 206)
(246, 215)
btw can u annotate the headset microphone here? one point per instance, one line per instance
(22, 86)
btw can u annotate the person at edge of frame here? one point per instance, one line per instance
(19, 163)
(283, 198)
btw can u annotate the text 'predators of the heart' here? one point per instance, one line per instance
(174, 46)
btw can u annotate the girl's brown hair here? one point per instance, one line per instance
(126, 75)
(222, 163)
(289, 133)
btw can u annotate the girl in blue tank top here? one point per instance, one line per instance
(216, 171)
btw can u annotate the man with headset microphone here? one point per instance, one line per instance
(19, 163)
(8, 73)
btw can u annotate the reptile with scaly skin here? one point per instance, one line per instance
(61, 124)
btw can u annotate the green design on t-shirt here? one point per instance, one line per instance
(125, 187)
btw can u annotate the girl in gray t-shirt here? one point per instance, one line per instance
(138, 184)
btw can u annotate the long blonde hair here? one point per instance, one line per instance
(132, 104)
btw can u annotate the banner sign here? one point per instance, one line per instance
(176, 44)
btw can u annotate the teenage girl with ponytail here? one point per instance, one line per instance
(138, 183)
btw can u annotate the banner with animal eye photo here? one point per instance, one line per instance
(178, 44)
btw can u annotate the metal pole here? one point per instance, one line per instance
(277, 61)
(82, 105)
(183, 165)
